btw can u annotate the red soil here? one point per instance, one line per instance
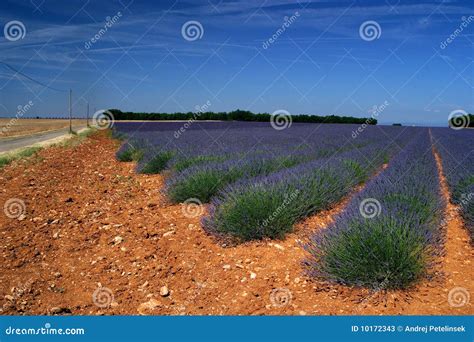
(92, 225)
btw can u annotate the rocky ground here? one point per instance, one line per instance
(83, 234)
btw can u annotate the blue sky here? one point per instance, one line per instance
(322, 62)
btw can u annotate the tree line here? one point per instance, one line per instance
(238, 115)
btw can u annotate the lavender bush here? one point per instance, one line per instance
(456, 148)
(389, 233)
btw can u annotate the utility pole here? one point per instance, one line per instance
(88, 114)
(70, 111)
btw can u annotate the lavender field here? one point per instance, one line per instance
(256, 183)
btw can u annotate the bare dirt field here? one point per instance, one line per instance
(96, 238)
(11, 127)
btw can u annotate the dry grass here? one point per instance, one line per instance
(11, 127)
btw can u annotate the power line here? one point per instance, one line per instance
(32, 79)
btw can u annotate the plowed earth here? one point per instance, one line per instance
(96, 238)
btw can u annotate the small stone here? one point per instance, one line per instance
(56, 235)
(9, 298)
(148, 307)
(239, 266)
(22, 217)
(123, 249)
(118, 239)
(55, 221)
(226, 267)
(171, 232)
(297, 280)
(164, 291)
(280, 247)
(145, 284)
(253, 275)
(57, 274)
(59, 310)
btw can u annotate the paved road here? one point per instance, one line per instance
(9, 144)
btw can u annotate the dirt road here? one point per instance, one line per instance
(9, 144)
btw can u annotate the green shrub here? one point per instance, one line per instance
(202, 185)
(397, 255)
(158, 163)
(130, 154)
(24, 153)
(258, 213)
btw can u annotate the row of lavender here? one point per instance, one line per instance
(390, 232)
(457, 153)
(268, 206)
(260, 180)
(205, 159)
